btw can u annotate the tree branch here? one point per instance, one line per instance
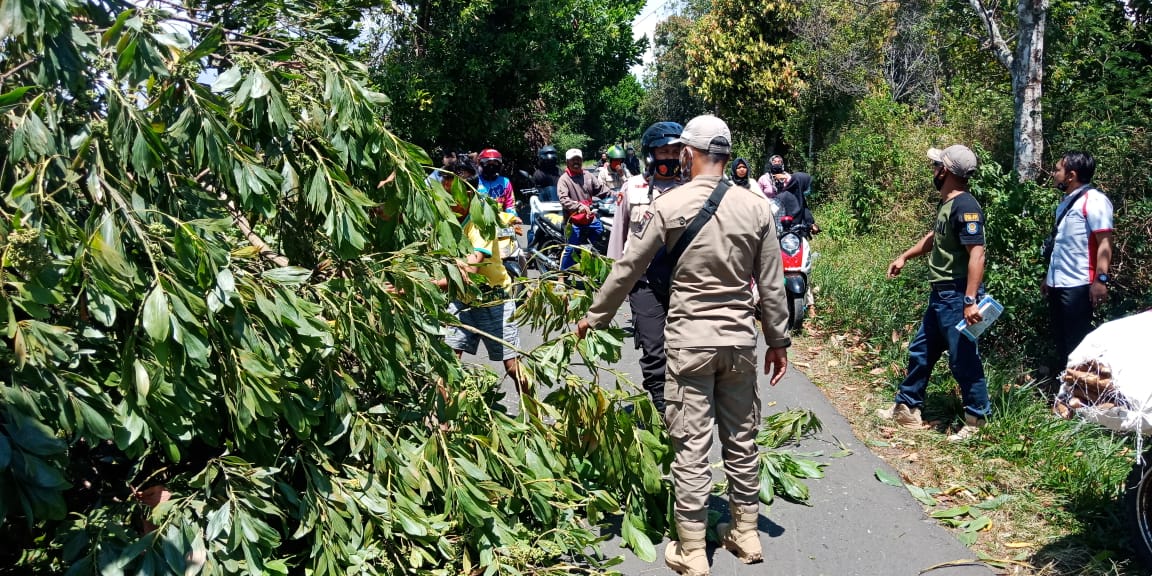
(999, 47)
(242, 223)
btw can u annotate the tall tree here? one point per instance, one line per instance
(499, 73)
(668, 97)
(739, 64)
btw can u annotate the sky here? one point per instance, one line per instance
(652, 13)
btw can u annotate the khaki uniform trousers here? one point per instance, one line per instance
(706, 386)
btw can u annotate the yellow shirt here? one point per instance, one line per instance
(492, 268)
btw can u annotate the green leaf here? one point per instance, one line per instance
(921, 494)
(93, 421)
(126, 59)
(287, 275)
(954, 512)
(13, 96)
(887, 478)
(33, 437)
(978, 524)
(227, 80)
(994, 503)
(141, 379)
(157, 318)
(219, 522)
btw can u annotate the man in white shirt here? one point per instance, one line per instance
(1081, 251)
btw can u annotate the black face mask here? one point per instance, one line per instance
(938, 181)
(474, 181)
(776, 169)
(491, 171)
(665, 168)
(1062, 186)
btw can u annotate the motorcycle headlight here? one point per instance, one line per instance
(790, 243)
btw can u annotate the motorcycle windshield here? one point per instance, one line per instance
(548, 194)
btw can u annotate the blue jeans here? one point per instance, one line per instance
(937, 334)
(587, 234)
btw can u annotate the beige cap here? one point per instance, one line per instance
(957, 158)
(573, 153)
(707, 133)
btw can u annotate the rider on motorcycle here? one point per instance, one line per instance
(577, 190)
(544, 179)
(494, 185)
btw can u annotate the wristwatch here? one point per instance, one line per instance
(1104, 277)
(969, 301)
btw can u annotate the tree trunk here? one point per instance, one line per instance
(1027, 88)
(1027, 69)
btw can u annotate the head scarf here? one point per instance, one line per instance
(732, 170)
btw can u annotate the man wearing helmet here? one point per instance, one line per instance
(495, 186)
(649, 308)
(544, 179)
(614, 174)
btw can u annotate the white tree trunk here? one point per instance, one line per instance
(1027, 88)
(1027, 70)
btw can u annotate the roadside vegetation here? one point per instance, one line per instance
(1056, 483)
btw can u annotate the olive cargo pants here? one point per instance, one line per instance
(706, 386)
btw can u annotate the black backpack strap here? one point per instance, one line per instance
(707, 211)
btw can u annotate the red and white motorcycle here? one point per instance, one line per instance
(796, 255)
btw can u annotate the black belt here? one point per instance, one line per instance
(961, 284)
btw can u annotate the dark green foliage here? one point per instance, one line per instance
(222, 345)
(504, 74)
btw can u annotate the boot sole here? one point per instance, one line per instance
(685, 571)
(741, 556)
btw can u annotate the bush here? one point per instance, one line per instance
(877, 165)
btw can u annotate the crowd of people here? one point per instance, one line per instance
(695, 253)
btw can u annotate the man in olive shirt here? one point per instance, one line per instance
(955, 270)
(710, 338)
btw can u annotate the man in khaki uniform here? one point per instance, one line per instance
(710, 337)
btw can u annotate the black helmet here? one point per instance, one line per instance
(657, 135)
(547, 154)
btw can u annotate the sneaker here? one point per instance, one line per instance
(902, 415)
(971, 427)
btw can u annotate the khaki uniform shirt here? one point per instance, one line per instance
(712, 301)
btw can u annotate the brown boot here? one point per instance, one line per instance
(742, 537)
(687, 556)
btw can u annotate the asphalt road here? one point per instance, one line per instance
(854, 525)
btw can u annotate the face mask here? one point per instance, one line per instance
(666, 168)
(776, 169)
(686, 163)
(491, 171)
(474, 181)
(938, 181)
(1062, 186)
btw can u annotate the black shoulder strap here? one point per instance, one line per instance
(707, 211)
(1067, 209)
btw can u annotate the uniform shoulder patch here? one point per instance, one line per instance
(638, 228)
(971, 216)
(973, 227)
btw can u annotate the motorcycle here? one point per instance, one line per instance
(796, 255)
